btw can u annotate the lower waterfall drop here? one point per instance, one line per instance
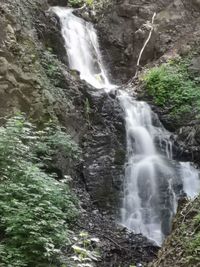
(153, 180)
(144, 173)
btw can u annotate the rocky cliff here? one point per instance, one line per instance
(35, 79)
(124, 27)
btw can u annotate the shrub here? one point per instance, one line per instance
(35, 209)
(53, 138)
(171, 86)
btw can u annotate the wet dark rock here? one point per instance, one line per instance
(196, 3)
(84, 12)
(104, 151)
(49, 33)
(166, 224)
(58, 2)
(127, 10)
(188, 139)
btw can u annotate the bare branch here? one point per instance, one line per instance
(144, 46)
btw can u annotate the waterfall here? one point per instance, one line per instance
(190, 178)
(82, 48)
(152, 178)
(147, 172)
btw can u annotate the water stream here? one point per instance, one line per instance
(82, 48)
(153, 180)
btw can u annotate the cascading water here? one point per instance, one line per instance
(151, 175)
(82, 48)
(190, 177)
(153, 180)
(147, 171)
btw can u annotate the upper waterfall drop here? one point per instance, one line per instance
(151, 174)
(82, 48)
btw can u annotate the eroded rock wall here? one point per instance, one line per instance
(104, 151)
(124, 27)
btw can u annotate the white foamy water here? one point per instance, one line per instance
(82, 48)
(144, 172)
(191, 181)
(151, 174)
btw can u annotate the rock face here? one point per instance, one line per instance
(124, 27)
(51, 36)
(20, 89)
(188, 141)
(104, 150)
(32, 79)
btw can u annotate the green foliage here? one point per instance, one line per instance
(193, 246)
(89, 2)
(35, 209)
(77, 3)
(53, 138)
(52, 66)
(84, 251)
(171, 86)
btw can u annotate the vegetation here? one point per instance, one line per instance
(173, 87)
(84, 251)
(36, 209)
(52, 67)
(192, 246)
(94, 4)
(77, 3)
(182, 247)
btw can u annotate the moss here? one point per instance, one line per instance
(172, 87)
